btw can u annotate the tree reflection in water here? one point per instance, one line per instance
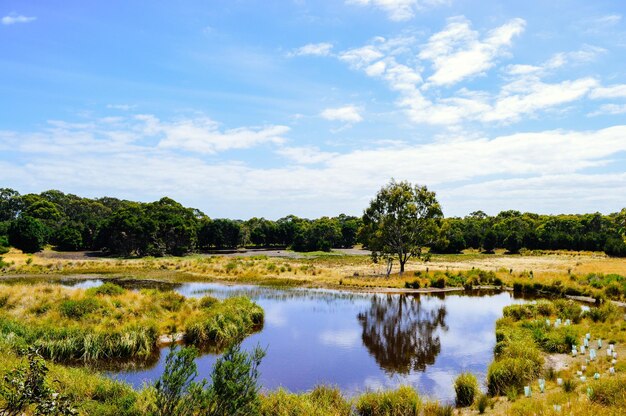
(401, 333)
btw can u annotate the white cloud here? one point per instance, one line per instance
(347, 114)
(313, 49)
(612, 91)
(14, 18)
(527, 96)
(457, 52)
(202, 135)
(340, 338)
(122, 107)
(609, 109)
(540, 171)
(305, 155)
(399, 10)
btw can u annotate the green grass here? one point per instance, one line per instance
(75, 324)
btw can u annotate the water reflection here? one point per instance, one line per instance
(401, 334)
(356, 341)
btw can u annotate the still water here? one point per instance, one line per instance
(356, 341)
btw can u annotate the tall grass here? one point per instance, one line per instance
(73, 324)
(403, 401)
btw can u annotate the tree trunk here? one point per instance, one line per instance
(402, 266)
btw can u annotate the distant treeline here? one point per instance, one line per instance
(513, 231)
(68, 222)
(127, 228)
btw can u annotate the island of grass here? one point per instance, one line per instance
(109, 322)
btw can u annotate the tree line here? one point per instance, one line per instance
(513, 231)
(165, 227)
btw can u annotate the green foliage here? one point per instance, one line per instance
(609, 392)
(27, 387)
(28, 234)
(482, 403)
(226, 322)
(106, 289)
(518, 361)
(76, 309)
(322, 400)
(403, 401)
(400, 221)
(569, 385)
(69, 239)
(466, 389)
(234, 383)
(615, 247)
(176, 392)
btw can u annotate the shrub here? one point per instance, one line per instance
(482, 403)
(569, 385)
(615, 247)
(518, 363)
(412, 285)
(76, 309)
(171, 301)
(609, 392)
(546, 309)
(403, 401)
(466, 388)
(26, 386)
(175, 389)
(568, 309)
(106, 289)
(234, 383)
(608, 311)
(28, 234)
(208, 301)
(520, 311)
(438, 281)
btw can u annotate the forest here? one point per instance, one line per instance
(126, 228)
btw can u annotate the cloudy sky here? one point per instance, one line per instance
(267, 108)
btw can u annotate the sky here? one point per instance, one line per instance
(245, 108)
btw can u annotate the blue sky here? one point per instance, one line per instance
(267, 108)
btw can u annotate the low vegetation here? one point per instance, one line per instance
(109, 322)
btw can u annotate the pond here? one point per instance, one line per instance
(355, 341)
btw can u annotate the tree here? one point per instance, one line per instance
(400, 221)
(28, 234)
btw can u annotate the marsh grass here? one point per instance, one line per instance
(403, 401)
(76, 324)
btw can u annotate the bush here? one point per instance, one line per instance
(466, 388)
(615, 247)
(208, 301)
(482, 403)
(607, 312)
(26, 386)
(403, 401)
(568, 309)
(518, 363)
(175, 391)
(106, 289)
(76, 309)
(234, 383)
(520, 311)
(438, 281)
(28, 234)
(609, 392)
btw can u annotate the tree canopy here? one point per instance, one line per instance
(401, 220)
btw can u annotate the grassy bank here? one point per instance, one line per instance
(544, 273)
(109, 322)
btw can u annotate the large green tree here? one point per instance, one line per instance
(401, 220)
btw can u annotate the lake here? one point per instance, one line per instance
(355, 341)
